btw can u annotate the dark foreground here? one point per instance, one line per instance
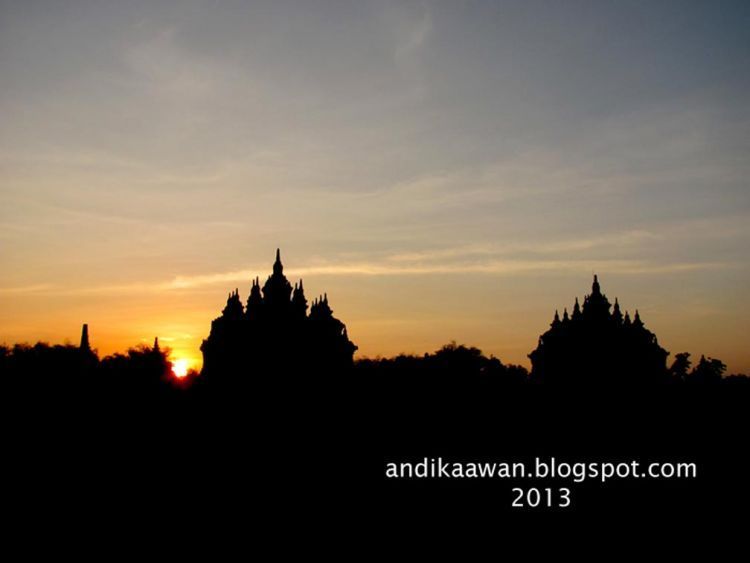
(312, 454)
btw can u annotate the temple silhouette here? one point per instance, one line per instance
(274, 332)
(595, 346)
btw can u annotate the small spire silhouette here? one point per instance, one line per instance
(576, 310)
(616, 313)
(556, 320)
(278, 267)
(595, 288)
(85, 346)
(637, 319)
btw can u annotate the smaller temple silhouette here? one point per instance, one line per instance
(273, 332)
(594, 345)
(85, 345)
(86, 354)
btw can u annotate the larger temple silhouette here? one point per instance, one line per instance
(274, 333)
(596, 346)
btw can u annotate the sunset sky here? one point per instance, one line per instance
(443, 170)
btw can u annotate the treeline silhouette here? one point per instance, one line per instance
(452, 361)
(66, 372)
(145, 372)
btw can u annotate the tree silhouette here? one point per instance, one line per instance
(680, 366)
(708, 371)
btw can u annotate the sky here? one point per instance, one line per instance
(443, 170)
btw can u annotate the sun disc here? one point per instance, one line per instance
(180, 368)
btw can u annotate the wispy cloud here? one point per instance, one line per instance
(386, 267)
(24, 289)
(620, 239)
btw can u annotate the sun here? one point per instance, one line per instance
(180, 368)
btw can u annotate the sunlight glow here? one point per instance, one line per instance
(180, 368)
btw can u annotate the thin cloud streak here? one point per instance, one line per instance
(490, 267)
(20, 290)
(619, 239)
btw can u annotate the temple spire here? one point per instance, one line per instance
(299, 303)
(556, 320)
(637, 319)
(576, 310)
(85, 346)
(616, 313)
(595, 288)
(278, 267)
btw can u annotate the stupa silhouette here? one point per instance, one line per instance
(274, 333)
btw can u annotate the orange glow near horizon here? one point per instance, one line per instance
(502, 315)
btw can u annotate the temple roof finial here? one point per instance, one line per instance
(637, 319)
(576, 310)
(85, 346)
(278, 268)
